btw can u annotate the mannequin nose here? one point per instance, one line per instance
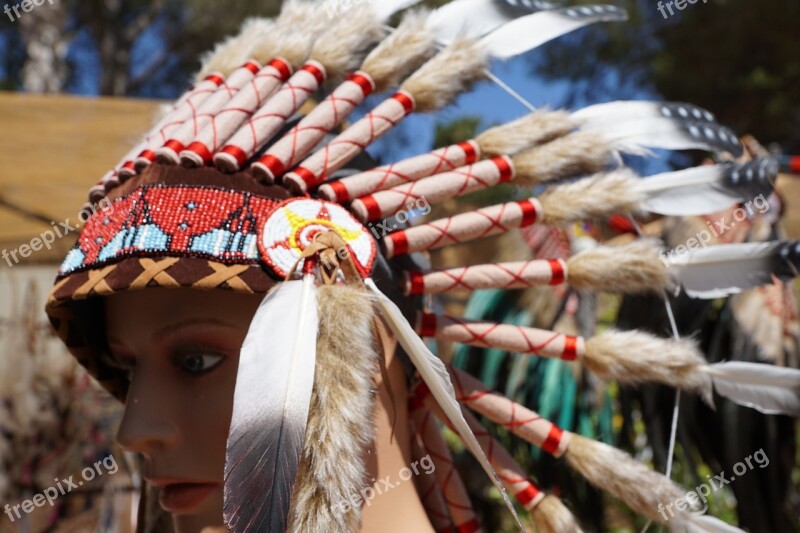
(147, 423)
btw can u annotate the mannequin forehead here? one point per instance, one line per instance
(131, 314)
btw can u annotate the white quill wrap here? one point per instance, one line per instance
(766, 388)
(270, 408)
(437, 378)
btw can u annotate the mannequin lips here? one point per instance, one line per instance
(182, 497)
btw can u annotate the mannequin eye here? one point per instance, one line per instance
(197, 364)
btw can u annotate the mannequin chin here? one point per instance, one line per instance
(181, 347)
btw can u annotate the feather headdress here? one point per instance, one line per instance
(296, 449)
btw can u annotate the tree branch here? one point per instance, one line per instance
(144, 20)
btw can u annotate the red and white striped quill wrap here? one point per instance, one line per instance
(517, 275)
(210, 107)
(516, 339)
(515, 417)
(271, 117)
(435, 189)
(455, 494)
(351, 142)
(216, 129)
(406, 171)
(326, 116)
(461, 228)
(190, 102)
(99, 190)
(510, 472)
(428, 487)
(126, 168)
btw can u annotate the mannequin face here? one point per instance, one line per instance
(181, 347)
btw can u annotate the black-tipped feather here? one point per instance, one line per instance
(270, 409)
(615, 112)
(719, 271)
(710, 188)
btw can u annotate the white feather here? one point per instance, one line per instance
(270, 407)
(766, 388)
(633, 135)
(435, 375)
(531, 31)
(694, 191)
(638, 110)
(709, 524)
(386, 8)
(466, 18)
(722, 270)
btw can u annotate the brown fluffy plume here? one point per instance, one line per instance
(591, 198)
(342, 46)
(636, 357)
(450, 73)
(340, 421)
(400, 53)
(551, 515)
(631, 268)
(581, 153)
(531, 130)
(616, 472)
(232, 53)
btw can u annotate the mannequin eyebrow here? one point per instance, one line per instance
(169, 329)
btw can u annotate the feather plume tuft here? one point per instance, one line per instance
(230, 54)
(341, 419)
(268, 424)
(577, 154)
(591, 198)
(631, 268)
(401, 52)
(450, 73)
(636, 357)
(551, 515)
(531, 130)
(343, 45)
(616, 472)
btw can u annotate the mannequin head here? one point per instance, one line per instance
(181, 347)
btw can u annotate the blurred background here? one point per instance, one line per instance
(81, 80)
